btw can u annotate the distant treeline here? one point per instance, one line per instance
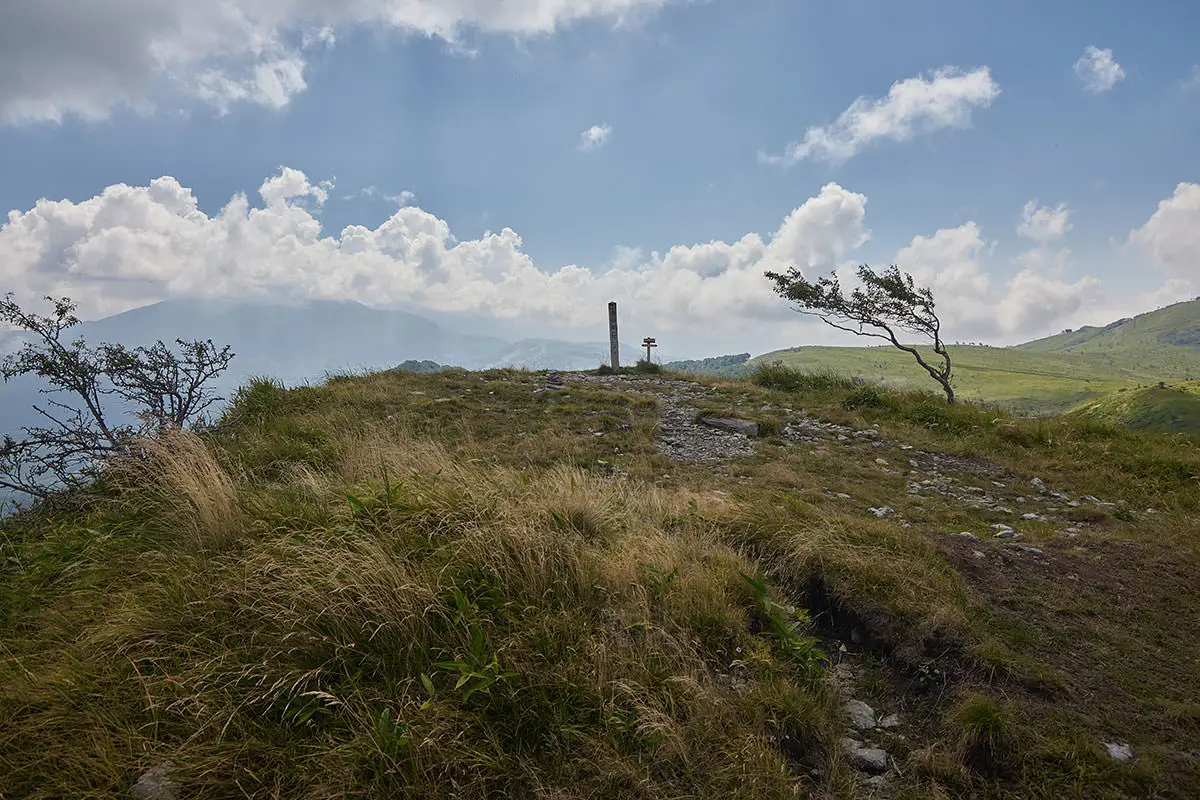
(726, 366)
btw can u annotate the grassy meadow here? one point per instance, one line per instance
(1025, 382)
(453, 585)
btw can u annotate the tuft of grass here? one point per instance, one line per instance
(984, 732)
(177, 478)
(776, 375)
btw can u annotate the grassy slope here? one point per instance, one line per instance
(1160, 345)
(1023, 381)
(1043, 376)
(1171, 408)
(451, 586)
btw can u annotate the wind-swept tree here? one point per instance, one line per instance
(886, 305)
(87, 390)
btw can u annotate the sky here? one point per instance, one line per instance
(520, 163)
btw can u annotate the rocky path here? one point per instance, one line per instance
(682, 437)
(970, 482)
(1000, 502)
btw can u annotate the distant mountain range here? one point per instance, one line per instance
(297, 344)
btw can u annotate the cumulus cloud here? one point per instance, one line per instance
(971, 305)
(1171, 237)
(1042, 223)
(1097, 69)
(594, 137)
(63, 57)
(912, 106)
(132, 245)
(404, 198)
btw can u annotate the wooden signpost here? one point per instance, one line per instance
(647, 343)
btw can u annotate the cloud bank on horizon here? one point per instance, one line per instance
(133, 245)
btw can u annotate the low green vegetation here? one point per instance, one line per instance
(1032, 383)
(1166, 408)
(464, 585)
(1071, 370)
(733, 366)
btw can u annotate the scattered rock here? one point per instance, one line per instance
(1119, 751)
(868, 759)
(881, 462)
(681, 436)
(890, 721)
(156, 784)
(882, 511)
(965, 535)
(746, 427)
(1033, 517)
(862, 716)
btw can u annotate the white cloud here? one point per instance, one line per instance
(404, 198)
(594, 137)
(1042, 223)
(1171, 237)
(131, 245)
(63, 57)
(972, 306)
(912, 106)
(1097, 69)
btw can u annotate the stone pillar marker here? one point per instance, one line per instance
(614, 348)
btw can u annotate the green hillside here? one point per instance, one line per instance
(1170, 408)
(1027, 382)
(1162, 344)
(1049, 375)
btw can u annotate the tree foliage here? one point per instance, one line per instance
(886, 305)
(90, 391)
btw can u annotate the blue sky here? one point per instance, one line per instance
(480, 117)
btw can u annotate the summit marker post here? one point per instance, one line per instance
(614, 348)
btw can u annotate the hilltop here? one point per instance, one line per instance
(489, 584)
(1166, 407)
(1159, 345)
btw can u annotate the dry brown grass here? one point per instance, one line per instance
(178, 475)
